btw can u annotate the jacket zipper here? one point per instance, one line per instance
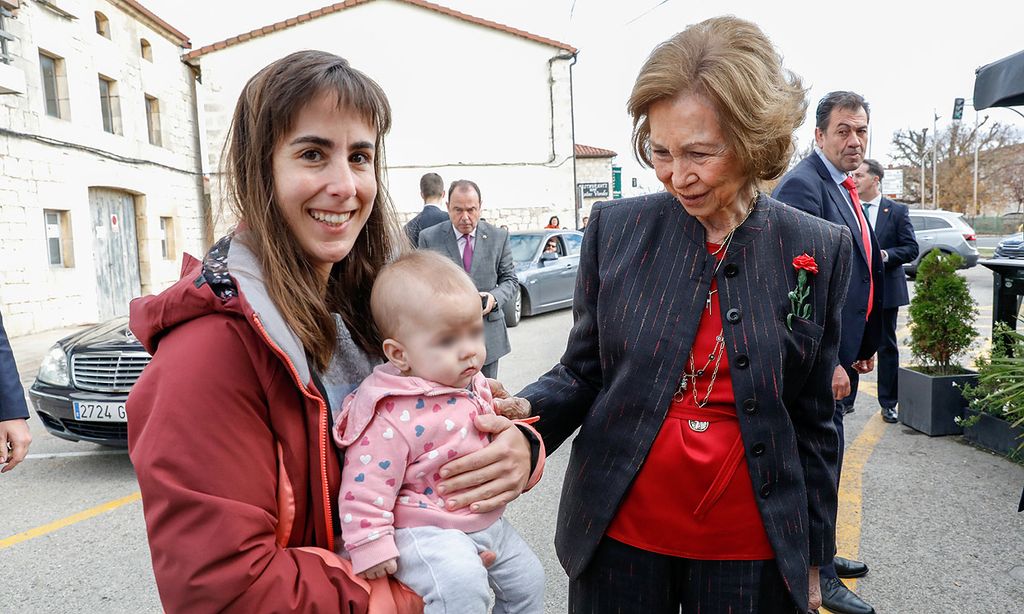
(322, 428)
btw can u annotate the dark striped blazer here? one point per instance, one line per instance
(643, 279)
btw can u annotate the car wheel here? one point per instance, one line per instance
(515, 311)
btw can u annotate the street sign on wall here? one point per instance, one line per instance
(616, 181)
(594, 190)
(892, 183)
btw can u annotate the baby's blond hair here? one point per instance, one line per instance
(413, 277)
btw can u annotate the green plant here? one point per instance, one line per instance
(942, 313)
(1000, 389)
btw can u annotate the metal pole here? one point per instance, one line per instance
(924, 143)
(976, 145)
(935, 160)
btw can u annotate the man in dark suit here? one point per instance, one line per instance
(895, 234)
(484, 251)
(432, 191)
(819, 184)
(14, 435)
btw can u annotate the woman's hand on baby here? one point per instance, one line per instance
(490, 477)
(380, 570)
(514, 408)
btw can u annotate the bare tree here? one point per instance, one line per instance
(955, 163)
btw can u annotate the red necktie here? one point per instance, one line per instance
(865, 237)
(467, 253)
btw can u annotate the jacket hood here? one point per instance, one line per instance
(387, 381)
(227, 281)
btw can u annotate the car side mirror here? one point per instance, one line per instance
(548, 256)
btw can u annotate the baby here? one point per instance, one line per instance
(412, 415)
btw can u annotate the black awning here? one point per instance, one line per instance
(1001, 83)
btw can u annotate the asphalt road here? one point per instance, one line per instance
(934, 518)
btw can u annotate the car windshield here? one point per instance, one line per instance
(524, 246)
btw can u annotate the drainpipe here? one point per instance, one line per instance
(577, 202)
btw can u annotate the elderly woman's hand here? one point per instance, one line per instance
(507, 405)
(492, 476)
(840, 383)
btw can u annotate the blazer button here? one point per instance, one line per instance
(750, 406)
(733, 315)
(862, 311)
(867, 279)
(758, 449)
(766, 489)
(731, 270)
(742, 361)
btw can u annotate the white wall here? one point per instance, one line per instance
(33, 295)
(469, 102)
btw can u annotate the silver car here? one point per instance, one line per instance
(945, 231)
(546, 265)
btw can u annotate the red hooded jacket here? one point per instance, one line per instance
(230, 441)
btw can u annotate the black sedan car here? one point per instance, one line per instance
(546, 264)
(83, 383)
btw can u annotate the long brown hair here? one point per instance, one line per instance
(265, 113)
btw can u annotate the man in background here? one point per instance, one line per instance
(891, 223)
(483, 250)
(820, 185)
(432, 192)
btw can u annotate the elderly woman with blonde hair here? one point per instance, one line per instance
(698, 370)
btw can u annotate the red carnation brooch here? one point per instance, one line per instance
(799, 306)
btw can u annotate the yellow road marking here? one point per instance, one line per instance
(851, 493)
(68, 521)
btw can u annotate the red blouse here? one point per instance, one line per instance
(693, 497)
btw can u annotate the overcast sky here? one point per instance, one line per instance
(906, 58)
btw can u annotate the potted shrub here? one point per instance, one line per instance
(995, 406)
(941, 313)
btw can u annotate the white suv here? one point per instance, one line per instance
(943, 230)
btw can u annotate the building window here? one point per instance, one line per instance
(55, 85)
(167, 238)
(102, 25)
(110, 105)
(153, 120)
(146, 49)
(58, 238)
(5, 36)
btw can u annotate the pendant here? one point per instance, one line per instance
(698, 426)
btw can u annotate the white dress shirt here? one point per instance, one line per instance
(871, 212)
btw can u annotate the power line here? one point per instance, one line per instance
(93, 150)
(645, 13)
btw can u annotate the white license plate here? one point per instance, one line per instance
(100, 412)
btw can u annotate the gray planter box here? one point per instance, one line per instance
(994, 434)
(930, 403)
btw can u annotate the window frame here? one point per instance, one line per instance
(110, 106)
(102, 24)
(145, 49)
(154, 133)
(55, 83)
(168, 249)
(5, 36)
(62, 236)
